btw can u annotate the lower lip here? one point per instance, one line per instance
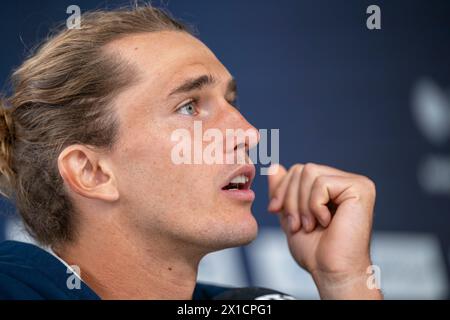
(241, 195)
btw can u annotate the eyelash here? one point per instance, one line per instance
(194, 101)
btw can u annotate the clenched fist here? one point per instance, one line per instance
(327, 215)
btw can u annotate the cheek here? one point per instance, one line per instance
(149, 178)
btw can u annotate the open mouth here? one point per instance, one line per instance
(240, 179)
(240, 182)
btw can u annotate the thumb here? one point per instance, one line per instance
(276, 174)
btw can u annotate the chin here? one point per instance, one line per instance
(248, 231)
(238, 233)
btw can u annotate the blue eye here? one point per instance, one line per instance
(188, 109)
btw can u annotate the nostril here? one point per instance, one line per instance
(240, 145)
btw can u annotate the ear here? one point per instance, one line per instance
(87, 173)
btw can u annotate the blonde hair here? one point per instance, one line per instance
(61, 96)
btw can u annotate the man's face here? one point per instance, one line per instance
(159, 198)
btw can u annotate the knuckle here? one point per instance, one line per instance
(367, 187)
(320, 182)
(368, 184)
(297, 168)
(309, 168)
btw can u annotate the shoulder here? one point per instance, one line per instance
(214, 292)
(204, 291)
(29, 272)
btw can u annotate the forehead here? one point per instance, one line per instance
(163, 58)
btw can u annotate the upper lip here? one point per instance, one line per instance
(247, 170)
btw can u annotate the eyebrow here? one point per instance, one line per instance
(199, 83)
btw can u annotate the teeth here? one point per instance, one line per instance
(239, 179)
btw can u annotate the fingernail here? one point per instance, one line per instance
(306, 222)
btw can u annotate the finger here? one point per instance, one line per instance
(276, 173)
(330, 171)
(320, 198)
(278, 182)
(309, 173)
(290, 204)
(344, 192)
(284, 222)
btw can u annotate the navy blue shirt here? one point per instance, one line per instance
(28, 272)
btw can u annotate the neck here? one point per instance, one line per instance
(117, 265)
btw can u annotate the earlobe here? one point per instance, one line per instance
(86, 174)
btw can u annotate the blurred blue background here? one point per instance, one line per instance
(376, 102)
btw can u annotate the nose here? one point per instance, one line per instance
(242, 133)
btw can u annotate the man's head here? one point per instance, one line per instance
(87, 135)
